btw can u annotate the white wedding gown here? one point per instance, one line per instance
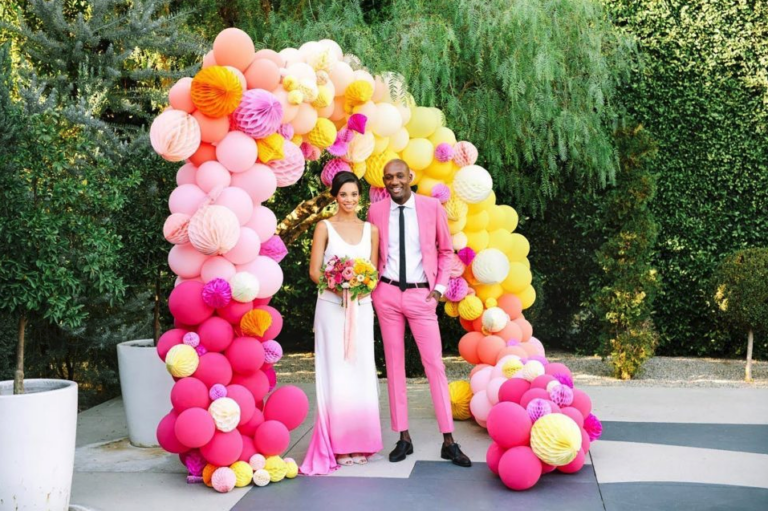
(347, 417)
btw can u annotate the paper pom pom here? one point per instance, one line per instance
(490, 266)
(182, 361)
(593, 427)
(457, 267)
(290, 168)
(345, 135)
(226, 414)
(200, 350)
(175, 135)
(292, 469)
(191, 339)
(472, 184)
(564, 378)
(490, 303)
(245, 287)
(277, 468)
(464, 154)
(443, 152)
(461, 394)
(259, 114)
(273, 352)
(357, 122)
(332, 168)
(374, 167)
(217, 293)
(452, 309)
(257, 462)
(217, 391)
(323, 134)
(194, 462)
(511, 367)
(537, 409)
(556, 439)
(324, 98)
(339, 148)
(467, 255)
(310, 152)
(243, 473)
(456, 209)
(271, 148)
(223, 479)
(358, 92)
(470, 308)
(361, 148)
(255, 322)
(208, 474)
(216, 91)
(532, 369)
(457, 289)
(495, 319)
(377, 194)
(561, 395)
(261, 477)
(286, 131)
(442, 193)
(175, 228)
(214, 230)
(274, 248)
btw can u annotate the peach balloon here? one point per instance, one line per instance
(180, 95)
(206, 152)
(290, 56)
(361, 74)
(240, 76)
(380, 89)
(186, 199)
(217, 267)
(185, 261)
(246, 249)
(233, 47)
(262, 74)
(511, 305)
(212, 174)
(338, 109)
(212, 129)
(237, 151)
(209, 60)
(259, 182)
(186, 174)
(271, 55)
(342, 76)
(238, 201)
(512, 350)
(525, 328)
(369, 110)
(305, 120)
(530, 349)
(511, 331)
(468, 347)
(489, 348)
(289, 110)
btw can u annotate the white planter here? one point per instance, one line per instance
(37, 445)
(146, 387)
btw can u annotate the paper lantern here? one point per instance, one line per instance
(451, 309)
(216, 91)
(323, 134)
(465, 154)
(441, 193)
(277, 468)
(273, 352)
(561, 395)
(292, 468)
(457, 289)
(181, 361)
(245, 287)
(470, 308)
(490, 266)
(257, 461)
(358, 92)
(472, 184)
(444, 152)
(217, 392)
(226, 414)
(290, 168)
(456, 208)
(223, 480)
(261, 477)
(537, 409)
(511, 367)
(374, 167)
(494, 319)
(532, 369)
(175, 135)
(556, 439)
(255, 323)
(333, 167)
(259, 114)
(214, 230)
(175, 228)
(274, 248)
(461, 394)
(593, 427)
(360, 148)
(243, 473)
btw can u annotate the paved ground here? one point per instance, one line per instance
(662, 448)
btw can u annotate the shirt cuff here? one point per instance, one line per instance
(440, 289)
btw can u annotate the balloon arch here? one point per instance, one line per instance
(245, 125)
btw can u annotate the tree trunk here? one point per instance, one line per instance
(18, 377)
(304, 216)
(156, 323)
(750, 342)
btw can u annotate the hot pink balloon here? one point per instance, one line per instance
(575, 465)
(187, 305)
(513, 390)
(246, 355)
(244, 400)
(214, 368)
(574, 414)
(257, 383)
(541, 382)
(166, 434)
(493, 456)
(237, 151)
(557, 367)
(238, 201)
(186, 174)
(288, 405)
(217, 267)
(582, 402)
(519, 468)
(168, 340)
(263, 222)
(215, 333)
(533, 394)
(277, 323)
(235, 311)
(246, 249)
(212, 174)
(272, 438)
(249, 428)
(249, 449)
(259, 182)
(268, 272)
(509, 425)
(186, 199)
(189, 393)
(195, 427)
(223, 449)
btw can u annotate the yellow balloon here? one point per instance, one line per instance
(439, 170)
(417, 176)
(520, 247)
(456, 226)
(501, 239)
(380, 144)
(418, 154)
(442, 135)
(483, 205)
(426, 184)
(496, 220)
(510, 218)
(424, 121)
(518, 278)
(526, 262)
(478, 240)
(477, 222)
(486, 291)
(527, 297)
(399, 140)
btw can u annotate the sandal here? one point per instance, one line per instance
(344, 460)
(360, 459)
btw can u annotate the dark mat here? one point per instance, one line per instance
(682, 497)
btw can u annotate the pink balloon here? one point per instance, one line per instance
(289, 405)
(195, 427)
(534, 394)
(187, 305)
(223, 449)
(249, 449)
(244, 399)
(217, 267)
(519, 468)
(248, 429)
(212, 129)
(257, 383)
(259, 182)
(509, 425)
(246, 249)
(186, 174)
(235, 311)
(574, 414)
(585, 442)
(215, 333)
(212, 174)
(275, 328)
(180, 95)
(268, 272)
(189, 393)
(270, 55)
(185, 261)
(305, 119)
(557, 367)
(246, 355)
(575, 465)
(541, 382)
(546, 469)
(480, 406)
(582, 402)
(271, 376)
(493, 389)
(186, 199)
(238, 201)
(493, 456)
(166, 434)
(262, 74)
(237, 151)
(272, 438)
(168, 340)
(263, 222)
(214, 368)
(480, 379)
(513, 390)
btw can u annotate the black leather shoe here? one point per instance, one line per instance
(453, 452)
(402, 449)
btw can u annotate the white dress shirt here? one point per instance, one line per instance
(414, 268)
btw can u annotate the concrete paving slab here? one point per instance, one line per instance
(729, 437)
(682, 497)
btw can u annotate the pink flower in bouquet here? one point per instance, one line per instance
(331, 284)
(348, 273)
(338, 278)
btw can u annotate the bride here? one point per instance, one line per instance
(347, 428)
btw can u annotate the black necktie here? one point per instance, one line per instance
(403, 279)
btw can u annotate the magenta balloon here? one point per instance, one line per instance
(195, 427)
(493, 456)
(248, 429)
(214, 368)
(166, 434)
(272, 438)
(513, 389)
(234, 311)
(246, 355)
(186, 199)
(185, 261)
(541, 382)
(509, 425)
(246, 249)
(186, 174)
(259, 182)
(223, 449)
(582, 402)
(257, 383)
(585, 441)
(263, 222)
(519, 468)
(268, 272)
(212, 174)
(189, 393)
(574, 414)
(288, 405)
(249, 449)
(557, 367)
(217, 267)
(533, 394)
(575, 465)
(237, 151)
(271, 376)
(216, 333)
(275, 328)
(168, 340)
(238, 201)
(244, 399)
(187, 305)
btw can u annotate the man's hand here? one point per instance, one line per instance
(434, 295)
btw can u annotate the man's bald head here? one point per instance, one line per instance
(397, 180)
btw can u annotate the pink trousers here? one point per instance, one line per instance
(394, 308)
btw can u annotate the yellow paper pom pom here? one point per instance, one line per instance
(556, 439)
(456, 208)
(374, 167)
(290, 83)
(271, 148)
(255, 322)
(295, 97)
(323, 135)
(359, 92)
(182, 360)
(461, 395)
(292, 470)
(359, 169)
(511, 367)
(216, 91)
(470, 308)
(277, 468)
(243, 473)
(324, 97)
(297, 140)
(452, 309)
(309, 89)
(208, 474)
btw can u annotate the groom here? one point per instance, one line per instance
(415, 253)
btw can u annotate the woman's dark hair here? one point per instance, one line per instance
(343, 178)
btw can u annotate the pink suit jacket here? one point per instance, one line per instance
(436, 243)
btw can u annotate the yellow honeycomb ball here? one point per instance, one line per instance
(359, 92)
(295, 97)
(297, 140)
(323, 135)
(324, 97)
(243, 473)
(290, 83)
(182, 361)
(452, 309)
(277, 468)
(511, 367)
(374, 167)
(292, 469)
(470, 308)
(271, 148)
(490, 303)
(556, 439)
(456, 208)
(216, 91)
(461, 394)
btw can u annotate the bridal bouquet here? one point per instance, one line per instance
(355, 277)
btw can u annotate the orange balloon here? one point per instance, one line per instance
(262, 74)
(212, 129)
(233, 47)
(270, 55)
(477, 324)
(478, 367)
(489, 347)
(511, 331)
(468, 347)
(512, 350)
(206, 152)
(525, 328)
(467, 325)
(511, 305)
(180, 95)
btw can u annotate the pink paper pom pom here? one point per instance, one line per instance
(467, 255)
(194, 462)
(217, 391)
(441, 192)
(223, 480)
(272, 352)
(259, 113)
(191, 339)
(443, 152)
(345, 135)
(564, 379)
(457, 267)
(464, 153)
(332, 168)
(290, 169)
(538, 408)
(561, 395)
(357, 123)
(310, 152)
(286, 131)
(274, 248)
(378, 194)
(217, 293)
(338, 148)
(593, 427)
(175, 228)
(200, 350)
(457, 289)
